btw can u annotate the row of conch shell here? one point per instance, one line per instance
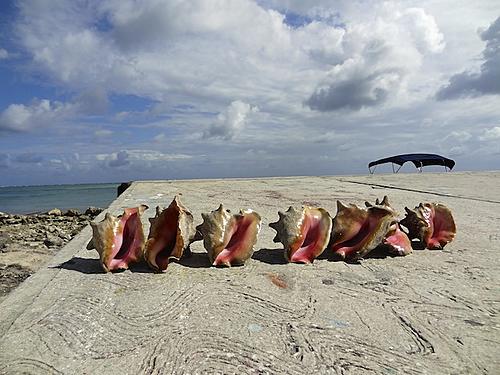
(305, 233)
(228, 238)
(355, 231)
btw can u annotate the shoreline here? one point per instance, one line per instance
(29, 241)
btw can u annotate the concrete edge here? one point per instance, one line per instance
(24, 295)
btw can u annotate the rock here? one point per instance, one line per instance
(4, 241)
(53, 241)
(55, 212)
(52, 229)
(72, 213)
(65, 236)
(93, 211)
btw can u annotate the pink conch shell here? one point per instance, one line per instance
(229, 239)
(304, 233)
(172, 231)
(431, 223)
(396, 241)
(119, 240)
(357, 231)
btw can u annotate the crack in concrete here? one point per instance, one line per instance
(422, 191)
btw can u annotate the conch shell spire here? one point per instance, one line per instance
(119, 240)
(172, 231)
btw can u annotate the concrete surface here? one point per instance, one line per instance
(433, 312)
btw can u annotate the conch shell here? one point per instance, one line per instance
(357, 231)
(304, 233)
(119, 240)
(431, 223)
(396, 241)
(172, 231)
(229, 238)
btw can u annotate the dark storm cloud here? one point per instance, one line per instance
(355, 93)
(487, 81)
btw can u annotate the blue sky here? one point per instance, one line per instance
(117, 90)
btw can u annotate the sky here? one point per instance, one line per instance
(118, 90)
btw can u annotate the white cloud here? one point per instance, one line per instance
(102, 133)
(138, 157)
(211, 52)
(378, 57)
(487, 79)
(492, 134)
(20, 117)
(368, 69)
(231, 121)
(3, 54)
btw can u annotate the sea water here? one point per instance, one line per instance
(35, 199)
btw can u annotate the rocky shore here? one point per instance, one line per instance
(28, 241)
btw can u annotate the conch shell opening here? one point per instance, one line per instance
(304, 233)
(229, 239)
(357, 231)
(430, 223)
(119, 240)
(171, 232)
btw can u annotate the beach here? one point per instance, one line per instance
(27, 242)
(433, 312)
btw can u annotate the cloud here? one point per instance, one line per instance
(22, 118)
(28, 158)
(338, 83)
(119, 159)
(3, 54)
(231, 121)
(484, 82)
(138, 157)
(492, 134)
(4, 161)
(378, 57)
(103, 133)
(356, 92)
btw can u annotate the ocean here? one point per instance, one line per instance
(34, 199)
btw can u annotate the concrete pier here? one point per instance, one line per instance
(434, 312)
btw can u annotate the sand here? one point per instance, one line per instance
(433, 312)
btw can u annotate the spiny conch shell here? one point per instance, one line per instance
(304, 233)
(172, 231)
(396, 241)
(229, 238)
(431, 223)
(357, 231)
(119, 240)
